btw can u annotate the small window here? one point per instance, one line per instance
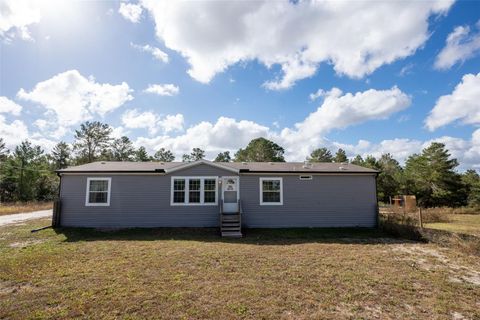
(306, 177)
(271, 191)
(98, 192)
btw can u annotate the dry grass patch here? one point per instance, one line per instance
(194, 274)
(20, 207)
(461, 223)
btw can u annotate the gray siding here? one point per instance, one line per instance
(136, 201)
(144, 201)
(325, 201)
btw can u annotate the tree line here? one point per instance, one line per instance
(28, 173)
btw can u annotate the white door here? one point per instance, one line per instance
(230, 194)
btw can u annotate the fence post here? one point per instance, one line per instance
(420, 217)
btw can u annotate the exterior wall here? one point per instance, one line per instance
(137, 201)
(324, 201)
(144, 201)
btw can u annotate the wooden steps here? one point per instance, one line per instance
(231, 225)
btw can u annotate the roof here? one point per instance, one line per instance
(242, 167)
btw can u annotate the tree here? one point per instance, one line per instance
(261, 150)
(358, 160)
(389, 178)
(61, 155)
(371, 162)
(141, 155)
(26, 155)
(164, 155)
(320, 155)
(122, 149)
(340, 156)
(3, 150)
(223, 157)
(91, 139)
(431, 176)
(195, 155)
(471, 180)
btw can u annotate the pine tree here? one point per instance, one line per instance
(223, 157)
(341, 156)
(261, 150)
(431, 176)
(141, 155)
(320, 155)
(91, 140)
(164, 155)
(122, 149)
(60, 155)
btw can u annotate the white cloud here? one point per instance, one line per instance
(154, 51)
(461, 45)
(296, 36)
(172, 123)
(339, 111)
(15, 18)
(314, 96)
(163, 89)
(225, 134)
(131, 12)
(466, 151)
(134, 119)
(8, 106)
(71, 98)
(13, 133)
(119, 131)
(461, 104)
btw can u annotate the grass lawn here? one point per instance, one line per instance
(11, 208)
(194, 274)
(462, 223)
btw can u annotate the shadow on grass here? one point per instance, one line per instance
(251, 236)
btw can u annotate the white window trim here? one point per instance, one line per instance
(87, 194)
(261, 191)
(187, 191)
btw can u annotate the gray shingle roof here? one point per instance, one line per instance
(274, 167)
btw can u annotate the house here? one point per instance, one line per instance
(213, 194)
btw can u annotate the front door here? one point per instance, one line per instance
(230, 194)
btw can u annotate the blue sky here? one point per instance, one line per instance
(393, 76)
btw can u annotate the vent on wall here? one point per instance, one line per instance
(306, 177)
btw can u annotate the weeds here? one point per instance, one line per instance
(20, 207)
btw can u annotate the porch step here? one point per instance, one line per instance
(231, 226)
(231, 234)
(230, 229)
(231, 218)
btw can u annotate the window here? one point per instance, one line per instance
(306, 177)
(179, 190)
(194, 191)
(271, 191)
(209, 190)
(98, 192)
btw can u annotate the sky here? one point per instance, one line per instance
(370, 77)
